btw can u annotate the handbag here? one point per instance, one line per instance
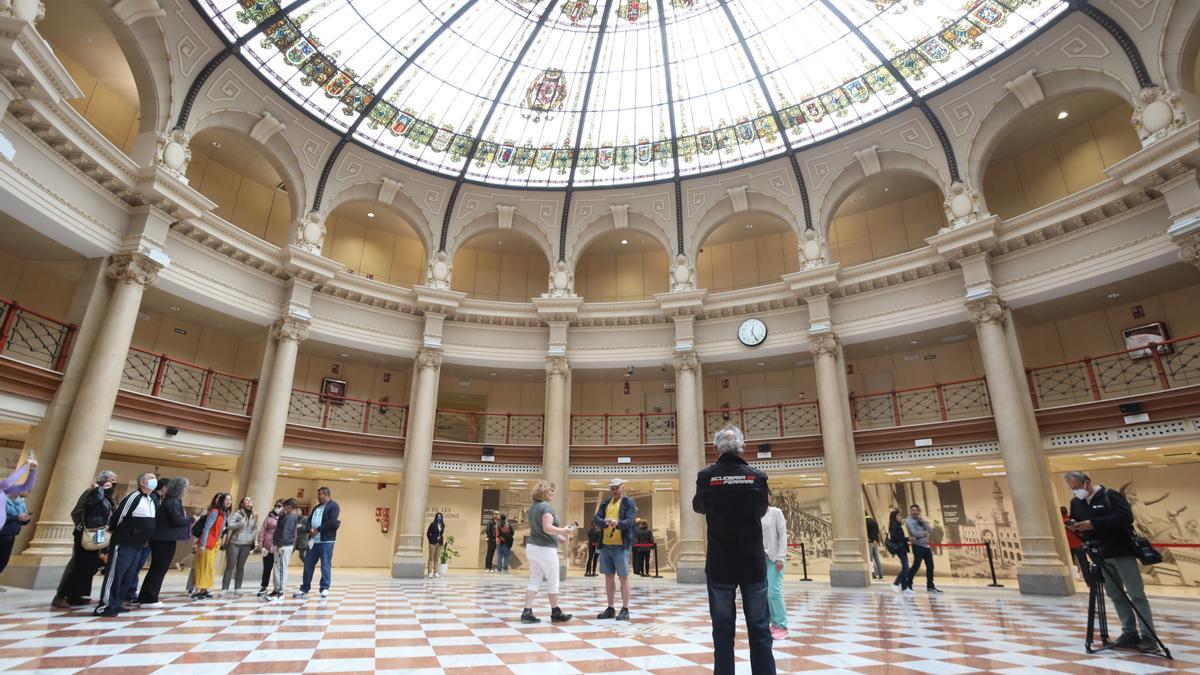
(1143, 550)
(891, 546)
(94, 538)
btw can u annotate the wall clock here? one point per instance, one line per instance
(752, 332)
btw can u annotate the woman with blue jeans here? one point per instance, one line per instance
(504, 549)
(898, 545)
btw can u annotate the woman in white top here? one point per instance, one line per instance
(774, 530)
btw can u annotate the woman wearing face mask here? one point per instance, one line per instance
(91, 512)
(171, 526)
(436, 535)
(243, 525)
(266, 545)
(208, 540)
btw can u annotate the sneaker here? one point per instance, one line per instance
(607, 614)
(325, 593)
(437, 575)
(528, 617)
(557, 616)
(623, 615)
(1148, 645)
(301, 595)
(1128, 641)
(909, 589)
(896, 588)
(262, 593)
(933, 589)
(153, 604)
(778, 633)
(107, 612)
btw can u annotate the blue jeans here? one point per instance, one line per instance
(322, 551)
(902, 578)
(922, 553)
(503, 552)
(721, 607)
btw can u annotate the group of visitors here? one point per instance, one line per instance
(898, 544)
(149, 522)
(16, 515)
(499, 544)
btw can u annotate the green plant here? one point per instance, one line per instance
(448, 550)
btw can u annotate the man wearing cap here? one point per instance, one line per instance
(615, 518)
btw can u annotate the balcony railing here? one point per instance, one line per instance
(164, 376)
(469, 426)
(342, 413)
(767, 421)
(623, 429)
(1155, 367)
(963, 399)
(28, 336)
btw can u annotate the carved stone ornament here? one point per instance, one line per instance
(562, 281)
(291, 329)
(1157, 114)
(310, 232)
(428, 358)
(686, 361)
(1189, 250)
(961, 205)
(813, 251)
(133, 268)
(557, 366)
(683, 274)
(173, 150)
(986, 310)
(824, 344)
(25, 10)
(437, 273)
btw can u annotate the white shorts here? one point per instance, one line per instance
(543, 564)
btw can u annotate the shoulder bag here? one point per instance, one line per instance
(1143, 550)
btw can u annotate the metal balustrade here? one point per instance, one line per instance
(488, 428)
(623, 428)
(1155, 367)
(164, 376)
(342, 413)
(921, 405)
(31, 337)
(767, 421)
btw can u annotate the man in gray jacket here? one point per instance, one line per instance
(918, 533)
(284, 540)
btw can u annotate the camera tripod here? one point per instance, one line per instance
(1097, 614)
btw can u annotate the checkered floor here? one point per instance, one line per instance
(469, 624)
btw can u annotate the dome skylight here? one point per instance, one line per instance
(575, 92)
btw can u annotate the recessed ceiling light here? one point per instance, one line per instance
(996, 473)
(336, 468)
(499, 243)
(1154, 447)
(624, 241)
(1063, 115)
(1114, 295)
(370, 214)
(344, 356)
(749, 226)
(217, 145)
(173, 308)
(206, 453)
(160, 447)
(887, 188)
(491, 374)
(913, 342)
(761, 363)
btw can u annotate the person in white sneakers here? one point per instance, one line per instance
(435, 534)
(774, 529)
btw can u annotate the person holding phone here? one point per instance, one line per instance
(542, 551)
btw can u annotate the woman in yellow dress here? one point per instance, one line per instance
(208, 543)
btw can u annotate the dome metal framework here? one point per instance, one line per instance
(579, 93)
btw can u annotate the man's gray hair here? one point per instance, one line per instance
(1080, 476)
(106, 476)
(729, 439)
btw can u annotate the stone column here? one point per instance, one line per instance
(288, 333)
(688, 425)
(556, 455)
(409, 561)
(83, 438)
(1041, 570)
(849, 567)
(242, 470)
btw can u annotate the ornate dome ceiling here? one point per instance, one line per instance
(551, 93)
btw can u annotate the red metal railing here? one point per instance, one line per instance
(342, 413)
(779, 420)
(33, 337)
(164, 376)
(471, 426)
(1155, 367)
(919, 405)
(638, 428)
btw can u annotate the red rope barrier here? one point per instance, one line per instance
(1158, 545)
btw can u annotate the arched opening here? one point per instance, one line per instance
(244, 182)
(91, 54)
(374, 241)
(886, 214)
(748, 249)
(503, 265)
(624, 264)
(1057, 148)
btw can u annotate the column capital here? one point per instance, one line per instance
(685, 361)
(985, 310)
(1189, 249)
(824, 344)
(289, 328)
(557, 366)
(134, 268)
(428, 358)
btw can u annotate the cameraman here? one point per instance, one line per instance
(1103, 518)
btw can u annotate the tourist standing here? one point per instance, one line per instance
(616, 515)
(243, 526)
(873, 547)
(1075, 544)
(541, 550)
(898, 546)
(16, 516)
(266, 545)
(490, 533)
(323, 525)
(209, 532)
(594, 537)
(918, 532)
(90, 514)
(435, 534)
(283, 539)
(131, 524)
(171, 526)
(504, 545)
(644, 539)
(775, 536)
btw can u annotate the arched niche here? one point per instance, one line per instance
(244, 181)
(746, 249)
(889, 213)
(507, 265)
(723, 210)
(622, 265)
(1056, 148)
(374, 240)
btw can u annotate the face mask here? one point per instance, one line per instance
(278, 510)
(152, 484)
(1081, 493)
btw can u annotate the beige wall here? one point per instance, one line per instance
(602, 397)
(363, 381)
(115, 119)
(1074, 161)
(625, 276)
(36, 285)
(199, 344)
(488, 275)
(261, 210)
(886, 230)
(375, 253)
(746, 262)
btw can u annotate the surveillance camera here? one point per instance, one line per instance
(628, 371)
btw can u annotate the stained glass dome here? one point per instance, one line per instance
(548, 93)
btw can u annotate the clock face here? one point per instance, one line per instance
(752, 332)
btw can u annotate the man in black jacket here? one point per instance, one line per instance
(732, 495)
(323, 525)
(131, 525)
(491, 541)
(1103, 519)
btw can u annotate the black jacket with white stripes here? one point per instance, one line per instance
(732, 495)
(132, 522)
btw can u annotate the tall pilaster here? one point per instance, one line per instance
(242, 470)
(83, 437)
(409, 561)
(1041, 570)
(556, 453)
(689, 437)
(287, 335)
(849, 567)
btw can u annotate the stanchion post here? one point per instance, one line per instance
(992, 566)
(654, 546)
(804, 562)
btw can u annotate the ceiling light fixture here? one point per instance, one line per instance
(174, 308)
(1114, 295)
(370, 214)
(624, 242)
(217, 145)
(1062, 115)
(1154, 447)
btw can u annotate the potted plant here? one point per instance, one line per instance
(448, 552)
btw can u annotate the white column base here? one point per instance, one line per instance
(409, 561)
(849, 575)
(1045, 580)
(38, 573)
(692, 558)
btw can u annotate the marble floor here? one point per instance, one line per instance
(469, 623)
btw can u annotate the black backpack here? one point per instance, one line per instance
(198, 526)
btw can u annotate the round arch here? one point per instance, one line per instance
(401, 204)
(1005, 112)
(721, 211)
(277, 150)
(1181, 47)
(487, 222)
(852, 176)
(604, 224)
(887, 214)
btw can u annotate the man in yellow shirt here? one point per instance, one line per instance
(615, 517)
